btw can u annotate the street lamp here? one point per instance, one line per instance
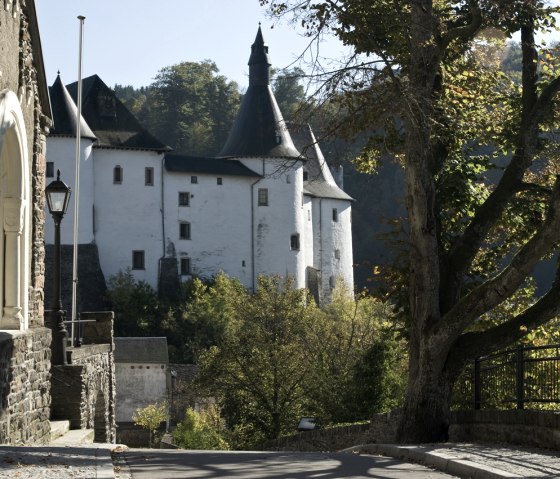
(58, 196)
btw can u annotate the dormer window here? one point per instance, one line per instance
(107, 105)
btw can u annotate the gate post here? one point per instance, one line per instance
(519, 377)
(477, 385)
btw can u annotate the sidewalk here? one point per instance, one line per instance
(88, 461)
(475, 461)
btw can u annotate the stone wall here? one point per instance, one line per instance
(25, 386)
(381, 430)
(526, 428)
(83, 391)
(330, 439)
(22, 72)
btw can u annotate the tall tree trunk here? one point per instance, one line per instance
(427, 399)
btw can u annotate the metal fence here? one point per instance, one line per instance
(516, 378)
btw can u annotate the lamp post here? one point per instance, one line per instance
(58, 196)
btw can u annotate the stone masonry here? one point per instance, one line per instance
(25, 355)
(25, 386)
(83, 391)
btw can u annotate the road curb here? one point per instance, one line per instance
(448, 463)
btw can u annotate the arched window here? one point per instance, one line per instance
(14, 212)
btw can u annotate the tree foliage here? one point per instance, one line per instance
(189, 106)
(281, 357)
(480, 162)
(201, 430)
(151, 417)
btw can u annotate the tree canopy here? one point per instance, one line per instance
(189, 106)
(480, 163)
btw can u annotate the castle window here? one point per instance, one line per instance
(294, 242)
(185, 230)
(149, 176)
(194, 179)
(263, 196)
(117, 175)
(50, 169)
(337, 253)
(219, 181)
(185, 266)
(305, 175)
(184, 198)
(288, 178)
(138, 260)
(334, 214)
(332, 281)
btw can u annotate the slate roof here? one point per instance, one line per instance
(141, 350)
(259, 129)
(113, 124)
(65, 113)
(219, 166)
(320, 182)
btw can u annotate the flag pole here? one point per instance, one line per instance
(81, 18)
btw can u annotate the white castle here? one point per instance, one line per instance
(267, 204)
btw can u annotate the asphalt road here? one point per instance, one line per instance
(172, 464)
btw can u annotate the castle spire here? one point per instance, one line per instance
(65, 113)
(259, 129)
(259, 64)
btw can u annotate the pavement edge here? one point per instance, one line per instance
(462, 468)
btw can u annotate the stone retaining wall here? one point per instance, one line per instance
(25, 360)
(526, 428)
(83, 391)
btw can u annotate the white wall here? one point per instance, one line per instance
(335, 235)
(62, 152)
(138, 385)
(220, 219)
(274, 224)
(128, 215)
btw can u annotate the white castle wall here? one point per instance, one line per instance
(275, 224)
(220, 219)
(62, 152)
(128, 215)
(229, 231)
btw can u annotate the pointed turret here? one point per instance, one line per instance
(65, 113)
(259, 64)
(319, 181)
(259, 129)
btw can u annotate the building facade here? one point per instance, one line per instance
(24, 119)
(266, 204)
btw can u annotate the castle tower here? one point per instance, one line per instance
(261, 141)
(62, 156)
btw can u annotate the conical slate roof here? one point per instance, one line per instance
(259, 129)
(114, 125)
(320, 182)
(65, 113)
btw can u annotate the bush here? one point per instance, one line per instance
(201, 430)
(151, 417)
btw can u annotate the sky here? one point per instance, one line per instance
(127, 42)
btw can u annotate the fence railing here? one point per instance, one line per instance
(517, 377)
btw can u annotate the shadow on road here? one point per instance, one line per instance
(163, 464)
